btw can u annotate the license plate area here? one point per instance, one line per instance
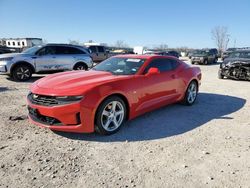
(33, 111)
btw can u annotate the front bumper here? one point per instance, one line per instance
(197, 60)
(66, 118)
(3, 68)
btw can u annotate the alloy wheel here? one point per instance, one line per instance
(192, 92)
(23, 73)
(112, 116)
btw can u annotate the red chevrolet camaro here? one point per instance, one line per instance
(118, 89)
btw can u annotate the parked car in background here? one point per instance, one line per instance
(203, 57)
(190, 54)
(165, 53)
(173, 53)
(236, 66)
(46, 58)
(215, 52)
(4, 50)
(98, 52)
(227, 53)
(119, 88)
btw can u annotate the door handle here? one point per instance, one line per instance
(173, 76)
(53, 57)
(34, 57)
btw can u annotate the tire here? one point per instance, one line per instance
(192, 62)
(191, 93)
(205, 62)
(220, 75)
(22, 73)
(110, 116)
(81, 66)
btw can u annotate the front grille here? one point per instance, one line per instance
(42, 100)
(44, 119)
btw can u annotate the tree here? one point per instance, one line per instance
(162, 47)
(221, 37)
(74, 42)
(120, 44)
(44, 41)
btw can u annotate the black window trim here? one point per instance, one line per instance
(171, 59)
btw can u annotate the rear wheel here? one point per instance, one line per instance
(22, 73)
(81, 66)
(110, 115)
(191, 93)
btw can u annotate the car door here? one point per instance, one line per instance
(94, 53)
(159, 89)
(63, 59)
(101, 53)
(45, 58)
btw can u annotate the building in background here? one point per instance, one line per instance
(20, 43)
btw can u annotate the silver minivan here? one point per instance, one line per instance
(46, 58)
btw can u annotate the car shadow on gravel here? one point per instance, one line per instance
(4, 89)
(170, 120)
(31, 80)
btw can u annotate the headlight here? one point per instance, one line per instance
(68, 99)
(6, 59)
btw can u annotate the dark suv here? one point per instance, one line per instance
(204, 57)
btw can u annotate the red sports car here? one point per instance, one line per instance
(118, 89)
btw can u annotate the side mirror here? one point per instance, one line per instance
(153, 71)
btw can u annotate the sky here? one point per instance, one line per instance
(176, 23)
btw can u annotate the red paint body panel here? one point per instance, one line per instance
(142, 93)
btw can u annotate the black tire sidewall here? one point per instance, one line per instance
(14, 73)
(205, 62)
(98, 124)
(185, 101)
(80, 64)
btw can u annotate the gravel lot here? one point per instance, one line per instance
(205, 145)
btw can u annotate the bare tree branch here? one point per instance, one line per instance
(221, 37)
(120, 44)
(162, 47)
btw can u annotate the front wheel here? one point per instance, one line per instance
(205, 62)
(220, 75)
(110, 115)
(22, 73)
(191, 94)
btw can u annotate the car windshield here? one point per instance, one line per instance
(120, 65)
(200, 53)
(31, 50)
(240, 55)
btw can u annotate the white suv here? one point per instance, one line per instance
(46, 58)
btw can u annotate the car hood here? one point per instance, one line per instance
(9, 55)
(227, 60)
(73, 82)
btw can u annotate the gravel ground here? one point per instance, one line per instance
(205, 145)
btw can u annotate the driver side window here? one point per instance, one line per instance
(162, 64)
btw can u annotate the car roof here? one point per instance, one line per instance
(247, 50)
